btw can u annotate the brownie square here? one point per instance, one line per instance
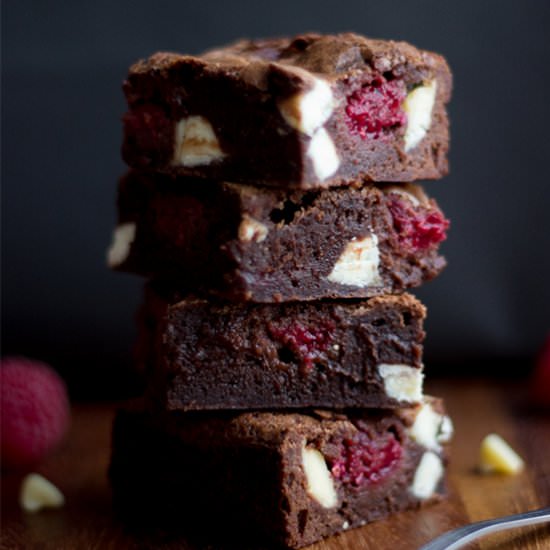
(201, 355)
(278, 478)
(304, 112)
(270, 245)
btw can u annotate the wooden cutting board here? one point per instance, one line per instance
(477, 408)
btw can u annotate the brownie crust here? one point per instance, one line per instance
(246, 243)
(288, 478)
(311, 111)
(203, 355)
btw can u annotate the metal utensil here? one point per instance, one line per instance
(457, 538)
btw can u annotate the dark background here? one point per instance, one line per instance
(63, 63)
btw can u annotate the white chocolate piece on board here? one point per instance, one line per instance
(497, 456)
(38, 493)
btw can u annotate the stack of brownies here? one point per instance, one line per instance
(282, 356)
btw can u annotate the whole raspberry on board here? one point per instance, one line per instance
(540, 379)
(35, 411)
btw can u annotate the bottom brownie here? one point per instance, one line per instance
(280, 478)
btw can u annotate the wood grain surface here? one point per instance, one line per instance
(477, 407)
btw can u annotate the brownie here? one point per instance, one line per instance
(202, 355)
(270, 245)
(275, 477)
(305, 112)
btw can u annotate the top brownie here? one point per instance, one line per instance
(313, 111)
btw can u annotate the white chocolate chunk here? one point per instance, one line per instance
(446, 430)
(430, 428)
(196, 143)
(402, 382)
(252, 230)
(308, 111)
(345, 525)
(358, 263)
(497, 456)
(427, 476)
(323, 155)
(123, 237)
(318, 478)
(403, 193)
(419, 105)
(38, 493)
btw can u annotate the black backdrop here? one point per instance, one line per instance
(63, 63)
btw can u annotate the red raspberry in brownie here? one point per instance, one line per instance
(376, 107)
(306, 343)
(151, 132)
(417, 227)
(35, 411)
(366, 458)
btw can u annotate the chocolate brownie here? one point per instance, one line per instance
(204, 355)
(287, 478)
(271, 245)
(305, 112)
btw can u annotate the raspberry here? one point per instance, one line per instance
(306, 343)
(417, 228)
(35, 411)
(149, 131)
(376, 107)
(540, 379)
(366, 459)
